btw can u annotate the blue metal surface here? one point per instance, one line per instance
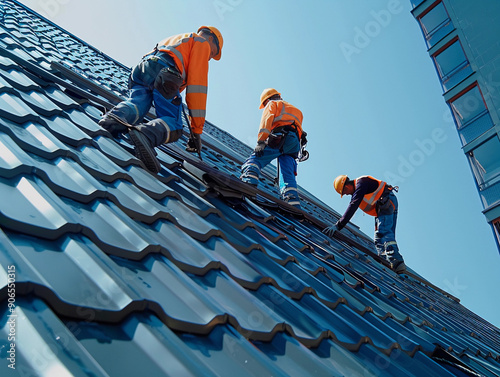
(171, 277)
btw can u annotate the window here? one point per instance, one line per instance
(471, 115)
(496, 227)
(435, 24)
(485, 162)
(416, 3)
(452, 64)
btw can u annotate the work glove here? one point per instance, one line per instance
(194, 143)
(259, 149)
(329, 231)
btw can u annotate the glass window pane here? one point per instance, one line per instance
(450, 59)
(434, 18)
(436, 24)
(468, 106)
(485, 162)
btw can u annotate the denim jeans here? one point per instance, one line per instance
(250, 170)
(385, 231)
(143, 94)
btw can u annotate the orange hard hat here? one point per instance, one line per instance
(267, 93)
(218, 39)
(339, 184)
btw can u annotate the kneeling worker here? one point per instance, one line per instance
(376, 198)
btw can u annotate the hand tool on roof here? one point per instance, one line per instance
(191, 133)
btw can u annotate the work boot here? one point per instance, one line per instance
(398, 266)
(396, 262)
(145, 151)
(114, 127)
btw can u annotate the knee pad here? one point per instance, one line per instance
(173, 135)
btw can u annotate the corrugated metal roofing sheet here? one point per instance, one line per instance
(119, 272)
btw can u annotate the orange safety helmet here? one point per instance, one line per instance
(267, 93)
(339, 184)
(218, 36)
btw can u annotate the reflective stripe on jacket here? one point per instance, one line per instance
(369, 202)
(276, 114)
(191, 54)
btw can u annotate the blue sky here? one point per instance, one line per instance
(371, 100)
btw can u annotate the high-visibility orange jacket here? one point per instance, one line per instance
(191, 54)
(369, 202)
(367, 190)
(276, 114)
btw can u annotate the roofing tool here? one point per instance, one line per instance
(190, 129)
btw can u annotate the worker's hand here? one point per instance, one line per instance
(259, 149)
(194, 143)
(330, 231)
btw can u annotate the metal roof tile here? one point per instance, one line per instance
(65, 131)
(48, 346)
(112, 229)
(84, 122)
(252, 317)
(40, 103)
(155, 254)
(118, 155)
(13, 159)
(14, 109)
(147, 183)
(30, 207)
(19, 80)
(60, 98)
(5, 86)
(87, 281)
(34, 138)
(67, 178)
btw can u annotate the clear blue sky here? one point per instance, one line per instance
(371, 100)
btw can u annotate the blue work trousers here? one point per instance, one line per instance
(250, 170)
(143, 94)
(385, 230)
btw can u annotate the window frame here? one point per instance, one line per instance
(496, 228)
(429, 34)
(445, 78)
(461, 94)
(476, 168)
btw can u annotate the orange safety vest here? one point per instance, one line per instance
(191, 54)
(277, 114)
(369, 202)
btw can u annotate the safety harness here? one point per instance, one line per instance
(276, 139)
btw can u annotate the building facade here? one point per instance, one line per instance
(462, 40)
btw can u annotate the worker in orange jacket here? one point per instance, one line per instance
(376, 198)
(177, 63)
(280, 135)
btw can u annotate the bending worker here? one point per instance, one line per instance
(280, 135)
(177, 63)
(376, 198)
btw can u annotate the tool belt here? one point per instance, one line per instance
(157, 70)
(277, 137)
(384, 205)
